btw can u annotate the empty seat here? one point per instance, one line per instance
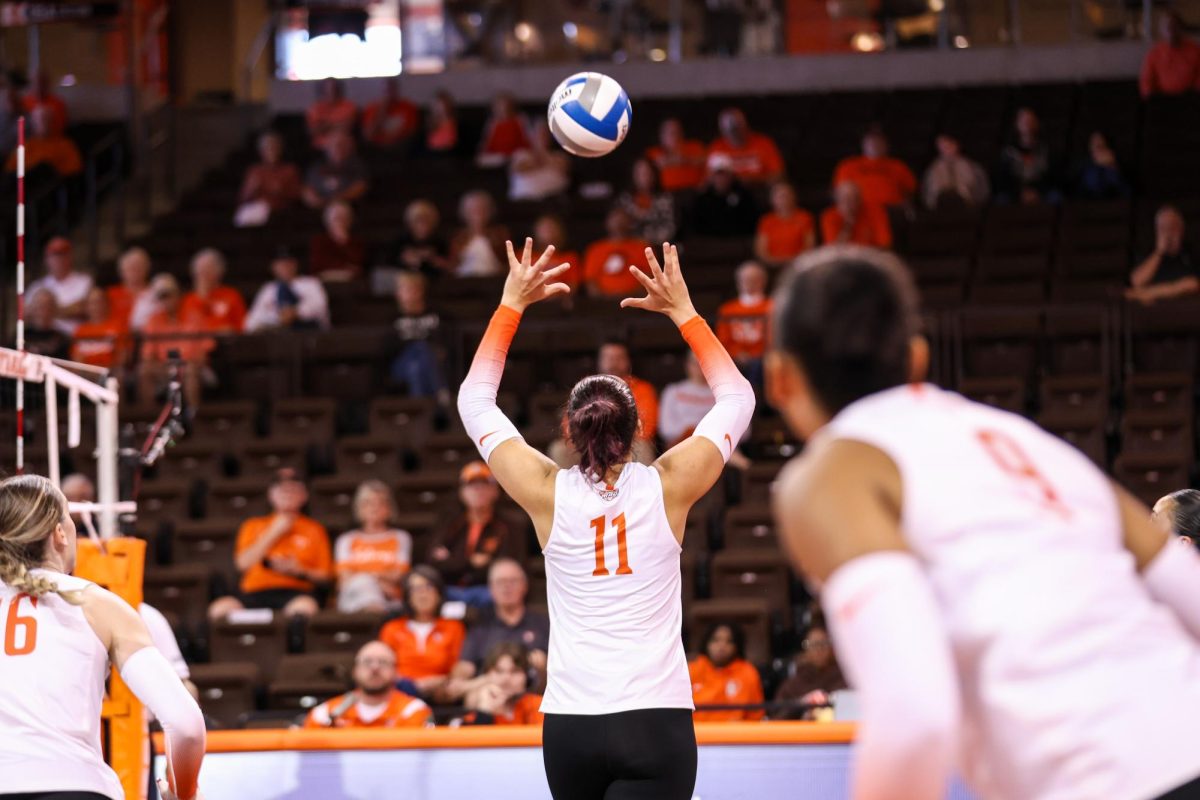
(209, 543)
(265, 457)
(1082, 395)
(755, 573)
(332, 496)
(1149, 477)
(335, 632)
(224, 421)
(753, 614)
(750, 527)
(242, 497)
(368, 456)
(1164, 336)
(999, 343)
(1085, 433)
(226, 690)
(429, 491)
(262, 641)
(757, 483)
(402, 419)
(196, 458)
(444, 451)
(306, 679)
(182, 590)
(1154, 433)
(1009, 394)
(166, 498)
(1160, 391)
(307, 418)
(1078, 341)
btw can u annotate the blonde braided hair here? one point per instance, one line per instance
(30, 509)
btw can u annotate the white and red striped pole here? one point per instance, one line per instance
(20, 290)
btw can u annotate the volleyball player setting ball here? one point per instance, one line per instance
(60, 634)
(995, 599)
(618, 700)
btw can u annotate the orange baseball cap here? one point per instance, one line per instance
(475, 471)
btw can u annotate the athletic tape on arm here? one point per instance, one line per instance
(1173, 579)
(726, 422)
(886, 628)
(484, 421)
(155, 683)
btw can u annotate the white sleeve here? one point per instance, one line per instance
(1173, 579)
(314, 303)
(263, 313)
(164, 639)
(150, 677)
(887, 632)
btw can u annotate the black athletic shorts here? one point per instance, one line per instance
(1188, 791)
(274, 599)
(55, 796)
(648, 754)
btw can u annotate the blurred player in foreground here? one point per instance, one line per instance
(60, 635)
(993, 596)
(618, 700)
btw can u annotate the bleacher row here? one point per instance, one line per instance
(1024, 311)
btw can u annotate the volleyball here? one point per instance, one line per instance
(589, 114)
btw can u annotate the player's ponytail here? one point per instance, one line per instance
(30, 509)
(602, 420)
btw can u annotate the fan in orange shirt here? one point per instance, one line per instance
(787, 231)
(282, 557)
(743, 324)
(372, 559)
(213, 306)
(392, 120)
(374, 703)
(723, 677)
(755, 156)
(1173, 65)
(501, 696)
(606, 264)
(548, 230)
(131, 301)
(101, 340)
(882, 180)
(331, 113)
(426, 645)
(680, 162)
(851, 220)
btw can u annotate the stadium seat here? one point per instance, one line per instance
(307, 418)
(367, 456)
(262, 458)
(447, 451)
(306, 679)
(166, 498)
(402, 419)
(210, 543)
(229, 421)
(1079, 341)
(750, 527)
(259, 642)
(998, 343)
(1149, 477)
(1085, 433)
(226, 690)
(1157, 433)
(240, 497)
(332, 496)
(752, 613)
(431, 490)
(182, 589)
(753, 573)
(1160, 391)
(1083, 395)
(196, 458)
(1007, 393)
(335, 632)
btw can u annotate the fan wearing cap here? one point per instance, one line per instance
(464, 548)
(726, 207)
(606, 261)
(283, 557)
(69, 287)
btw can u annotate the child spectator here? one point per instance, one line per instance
(336, 255)
(43, 146)
(786, 231)
(548, 230)
(606, 262)
(651, 210)
(881, 179)
(283, 557)
(425, 644)
(477, 250)
(463, 547)
(131, 301)
(743, 324)
(723, 676)
(291, 300)
(754, 157)
(172, 336)
(331, 114)
(502, 695)
(441, 129)
(69, 287)
(953, 179)
(375, 702)
(414, 359)
(341, 175)
(681, 162)
(372, 560)
(218, 307)
(852, 220)
(510, 620)
(1173, 65)
(538, 171)
(101, 339)
(420, 248)
(726, 208)
(272, 181)
(506, 132)
(392, 122)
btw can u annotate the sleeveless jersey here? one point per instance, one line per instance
(52, 673)
(613, 586)
(1074, 682)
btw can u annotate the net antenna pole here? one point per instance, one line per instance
(20, 290)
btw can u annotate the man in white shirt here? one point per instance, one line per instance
(70, 288)
(291, 300)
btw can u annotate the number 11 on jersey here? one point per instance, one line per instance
(599, 525)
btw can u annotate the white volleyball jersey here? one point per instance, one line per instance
(1075, 684)
(52, 673)
(613, 585)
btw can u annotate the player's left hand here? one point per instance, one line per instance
(529, 281)
(666, 292)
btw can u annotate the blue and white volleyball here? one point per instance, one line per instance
(589, 114)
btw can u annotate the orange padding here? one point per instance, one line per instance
(707, 733)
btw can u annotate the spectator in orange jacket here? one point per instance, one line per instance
(723, 677)
(852, 220)
(375, 702)
(501, 694)
(1173, 65)
(680, 162)
(606, 262)
(755, 156)
(171, 335)
(426, 645)
(744, 323)
(218, 307)
(282, 557)
(882, 180)
(785, 232)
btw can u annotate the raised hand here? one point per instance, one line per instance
(666, 292)
(529, 281)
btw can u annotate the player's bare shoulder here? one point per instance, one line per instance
(115, 622)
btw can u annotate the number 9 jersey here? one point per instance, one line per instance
(613, 586)
(1073, 681)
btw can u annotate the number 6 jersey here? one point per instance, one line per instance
(1074, 683)
(613, 585)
